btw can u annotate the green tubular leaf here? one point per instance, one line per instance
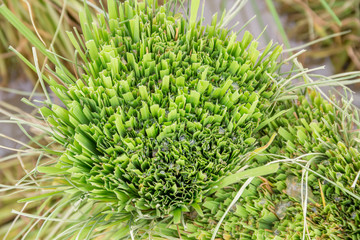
(165, 84)
(194, 98)
(135, 28)
(195, 4)
(50, 170)
(177, 216)
(331, 12)
(86, 143)
(76, 45)
(276, 17)
(46, 112)
(202, 86)
(255, 172)
(40, 197)
(112, 6)
(152, 131)
(198, 209)
(26, 32)
(143, 93)
(91, 45)
(267, 121)
(285, 134)
(122, 232)
(247, 38)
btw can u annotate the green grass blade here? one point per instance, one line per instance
(254, 172)
(24, 31)
(278, 23)
(39, 197)
(194, 10)
(28, 34)
(330, 11)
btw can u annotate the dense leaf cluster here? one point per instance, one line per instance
(164, 109)
(167, 114)
(271, 207)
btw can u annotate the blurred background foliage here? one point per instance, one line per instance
(314, 19)
(47, 19)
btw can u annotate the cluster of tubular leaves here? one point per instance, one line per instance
(271, 208)
(163, 111)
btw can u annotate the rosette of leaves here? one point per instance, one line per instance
(274, 207)
(162, 121)
(162, 111)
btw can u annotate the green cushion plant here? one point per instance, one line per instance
(161, 112)
(169, 126)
